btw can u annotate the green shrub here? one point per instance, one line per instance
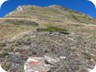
(54, 29)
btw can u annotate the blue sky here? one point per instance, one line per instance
(83, 6)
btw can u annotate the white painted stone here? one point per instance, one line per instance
(62, 57)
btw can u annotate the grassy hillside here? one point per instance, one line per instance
(52, 12)
(23, 18)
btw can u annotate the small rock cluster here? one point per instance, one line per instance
(39, 64)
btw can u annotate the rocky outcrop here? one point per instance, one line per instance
(39, 64)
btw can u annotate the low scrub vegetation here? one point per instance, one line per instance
(52, 29)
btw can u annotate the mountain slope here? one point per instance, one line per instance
(54, 31)
(52, 12)
(44, 16)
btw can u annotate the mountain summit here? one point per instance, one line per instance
(51, 12)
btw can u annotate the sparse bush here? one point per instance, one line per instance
(2, 44)
(34, 52)
(52, 49)
(87, 55)
(52, 29)
(18, 50)
(46, 51)
(3, 53)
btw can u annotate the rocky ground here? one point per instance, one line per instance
(79, 51)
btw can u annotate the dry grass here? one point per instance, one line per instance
(48, 16)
